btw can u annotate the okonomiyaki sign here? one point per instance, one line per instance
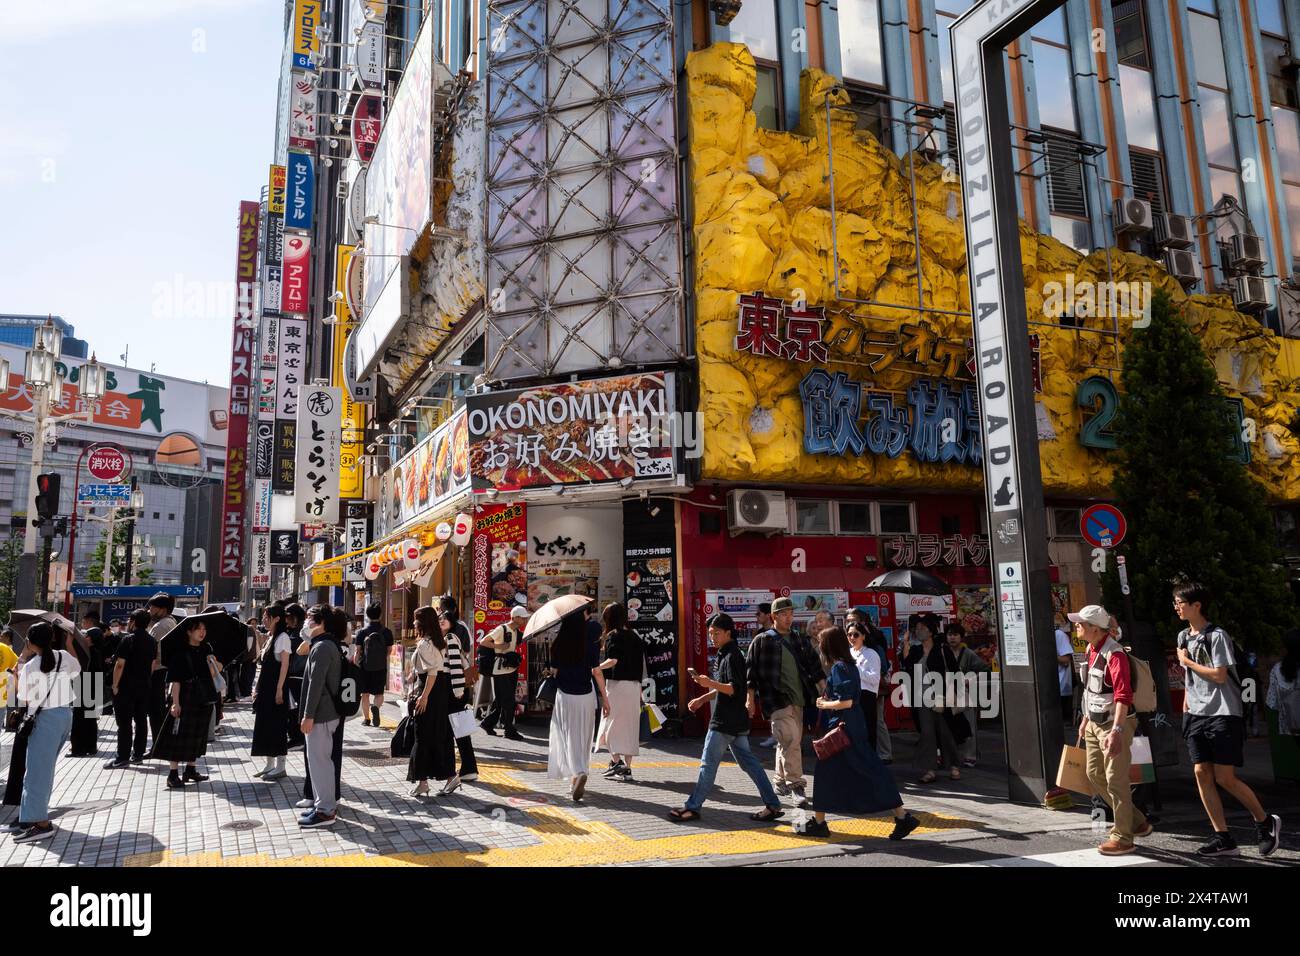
(601, 430)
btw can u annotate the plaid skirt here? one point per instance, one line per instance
(184, 740)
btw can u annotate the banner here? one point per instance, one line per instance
(316, 477)
(356, 535)
(650, 579)
(241, 398)
(295, 289)
(500, 549)
(273, 249)
(264, 449)
(354, 415)
(260, 575)
(592, 432)
(426, 479)
(302, 191)
(302, 111)
(272, 291)
(285, 455)
(307, 16)
(291, 367)
(284, 547)
(275, 191)
(367, 121)
(261, 504)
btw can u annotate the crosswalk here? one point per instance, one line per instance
(1063, 858)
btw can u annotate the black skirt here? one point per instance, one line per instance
(17, 770)
(183, 740)
(434, 755)
(84, 737)
(270, 720)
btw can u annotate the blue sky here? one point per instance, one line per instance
(129, 132)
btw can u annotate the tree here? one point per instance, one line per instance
(1193, 510)
(11, 551)
(140, 572)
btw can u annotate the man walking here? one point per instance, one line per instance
(132, 670)
(784, 674)
(1212, 722)
(373, 642)
(504, 642)
(1107, 728)
(728, 726)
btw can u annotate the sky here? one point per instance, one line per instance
(129, 132)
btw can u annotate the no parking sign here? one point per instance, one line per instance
(1103, 526)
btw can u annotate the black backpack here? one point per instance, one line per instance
(348, 699)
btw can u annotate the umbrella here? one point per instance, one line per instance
(22, 620)
(550, 614)
(910, 582)
(227, 635)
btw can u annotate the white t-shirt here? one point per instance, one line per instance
(282, 645)
(428, 659)
(868, 662)
(1063, 648)
(60, 684)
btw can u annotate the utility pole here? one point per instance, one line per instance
(130, 536)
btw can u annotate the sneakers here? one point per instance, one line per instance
(813, 828)
(137, 760)
(317, 818)
(117, 764)
(621, 772)
(35, 832)
(1270, 833)
(800, 798)
(1115, 848)
(904, 826)
(613, 768)
(769, 742)
(305, 804)
(1219, 845)
(783, 789)
(15, 827)
(1146, 831)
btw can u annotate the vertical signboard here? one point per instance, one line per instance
(299, 204)
(307, 16)
(275, 192)
(241, 397)
(295, 289)
(499, 542)
(354, 415)
(260, 574)
(290, 371)
(316, 476)
(302, 111)
(650, 579)
(264, 448)
(356, 535)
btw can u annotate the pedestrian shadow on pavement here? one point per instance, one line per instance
(72, 848)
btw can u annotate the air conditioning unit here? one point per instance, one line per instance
(1174, 232)
(753, 510)
(1249, 292)
(1247, 252)
(1132, 215)
(1183, 266)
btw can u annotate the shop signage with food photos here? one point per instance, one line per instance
(432, 474)
(499, 547)
(650, 594)
(570, 433)
(549, 578)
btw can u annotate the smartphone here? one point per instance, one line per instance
(692, 672)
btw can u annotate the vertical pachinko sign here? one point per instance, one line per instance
(241, 396)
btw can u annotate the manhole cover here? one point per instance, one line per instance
(90, 806)
(241, 825)
(377, 757)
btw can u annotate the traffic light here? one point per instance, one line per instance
(47, 496)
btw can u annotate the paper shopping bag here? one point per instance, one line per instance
(1072, 774)
(1142, 768)
(655, 716)
(463, 723)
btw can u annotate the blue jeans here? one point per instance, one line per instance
(715, 744)
(53, 727)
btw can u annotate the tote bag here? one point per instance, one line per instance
(463, 723)
(1072, 773)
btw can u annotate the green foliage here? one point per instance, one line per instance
(1192, 511)
(11, 550)
(141, 573)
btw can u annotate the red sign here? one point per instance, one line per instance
(296, 282)
(500, 550)
(1103, 526)
(106, 463)
(367, 121)
(242, 391)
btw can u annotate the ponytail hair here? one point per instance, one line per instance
(41, 635)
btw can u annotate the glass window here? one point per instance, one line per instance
(895, 517)
(1066, 522)
(1224, 182)
(1055, 82)
(1073, 232)
(1207, 50)
(1281, 86)
(1130, 34)
(1139, 108)
(812, 517)
(1051, 27)
(854, 517)
(945, 59)
(1292, 195)
(1272, 19)
(755, 26)
(1205, 5)
(1286, 129)
(767, 98)
(1215, 125)
(955, 7)
(872, 111)
(860, 56)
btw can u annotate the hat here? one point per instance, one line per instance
(782, 604)
(1093, 614)
(722, 622)
(518, 611)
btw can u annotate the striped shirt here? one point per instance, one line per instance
(454, 664)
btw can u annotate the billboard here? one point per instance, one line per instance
(307, 16)
(320, 435)
(425, 480)
(354, 415)
(241, 397)
(302, 191)
(295, 290)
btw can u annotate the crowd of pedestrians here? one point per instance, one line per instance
(308, 670)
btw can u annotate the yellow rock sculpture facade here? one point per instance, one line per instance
(763, 223)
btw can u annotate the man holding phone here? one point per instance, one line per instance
(728, 727)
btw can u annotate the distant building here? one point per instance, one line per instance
(20, 330)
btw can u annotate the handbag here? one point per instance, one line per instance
(403, 742)
(14, 719)
(29, 721)
(547, 689)
(463, 723)
(837, 741)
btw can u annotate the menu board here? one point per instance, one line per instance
(500, 549)
(650, 595)
(549, 578)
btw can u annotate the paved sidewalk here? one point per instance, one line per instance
(513, 815)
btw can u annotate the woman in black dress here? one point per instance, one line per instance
(191, 696)
(295, 618)
(434, 754)
(271, 711)
(85, 720)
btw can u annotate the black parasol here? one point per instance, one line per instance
(907, 581)
(227, 634)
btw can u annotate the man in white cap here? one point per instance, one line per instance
(504, 642)
(1107, 727)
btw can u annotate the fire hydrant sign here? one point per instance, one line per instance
(106, 463)
(320, 435)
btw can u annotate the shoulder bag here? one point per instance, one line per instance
(29, 722)
(835, 742)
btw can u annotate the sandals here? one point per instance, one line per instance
(420, 791)
(682, 815)
(955, 774)
(928, 777)
(767, 815)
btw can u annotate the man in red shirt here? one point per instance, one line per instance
(1107, 727)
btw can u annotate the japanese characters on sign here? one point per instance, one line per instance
(931, 550)
(275, 191)
(367, 121)
(307, 16)
(264, 448)
(241, 398)
(260, 575)
(261, 504)
(272, 292)
(302, 191)
(589, 432)
(284, 455)
(356, 536)
(292, 367)
(295, 290)
(354, 415)
(320, 433)
(302, 110)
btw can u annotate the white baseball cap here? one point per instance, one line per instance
(518, 611)
(1093, 614)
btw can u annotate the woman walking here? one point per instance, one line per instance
(191, 697)
(867, 661)
(271, 713)
(46, 685)
(575, 657)
(853, 781)
(434, 753)
(940, 728)
(457, 668)
(620, 731)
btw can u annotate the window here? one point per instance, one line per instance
(155, 516)
(854, 517)
(1065, 522)
(1281, 83)
(767, 98)
(1220, 150)
(895, 517)
(1207, 50)
(1054, 79)
(1065, 191)
(1130, 34)
(810, 517)
(1149, 179)
(871, 108)
(1051, 27)
(860, 47)
(1139, 108)
(1272, 18)
(755, 26)
(171, 517)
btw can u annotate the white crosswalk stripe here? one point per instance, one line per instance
(1088, 857)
